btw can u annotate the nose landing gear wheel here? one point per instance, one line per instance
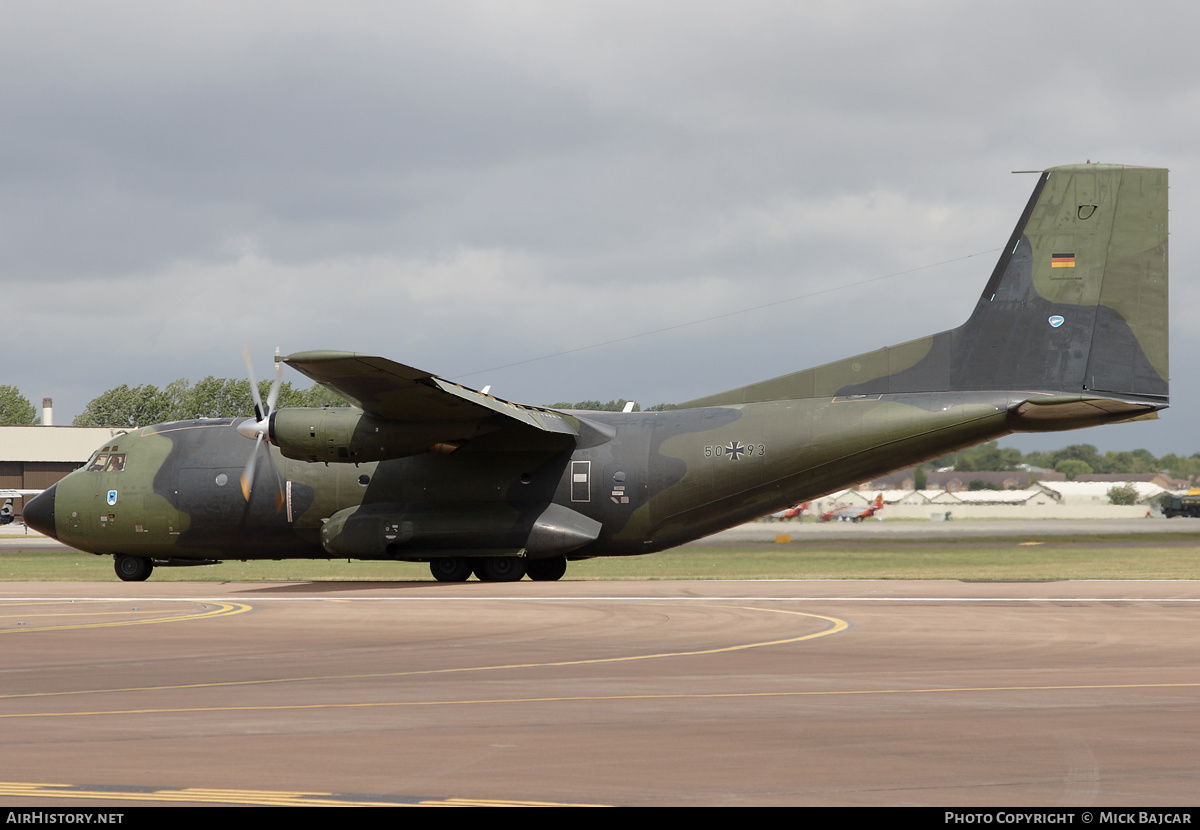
(132, 568)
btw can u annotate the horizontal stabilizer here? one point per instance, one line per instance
(1052, 413)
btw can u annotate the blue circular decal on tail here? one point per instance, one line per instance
(1056, 321)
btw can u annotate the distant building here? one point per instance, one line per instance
(955, 481)
(1096, 492)
(1162, 479)
(35, 457)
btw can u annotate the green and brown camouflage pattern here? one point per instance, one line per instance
(1070, 331)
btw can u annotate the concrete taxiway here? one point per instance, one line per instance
(763, 531)
(629, 693)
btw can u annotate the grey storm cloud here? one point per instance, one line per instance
(467, 186)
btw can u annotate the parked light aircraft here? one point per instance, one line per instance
(852, 513)
(1070, 331)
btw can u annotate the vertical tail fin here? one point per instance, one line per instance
(1077, 305)
(1078, 300)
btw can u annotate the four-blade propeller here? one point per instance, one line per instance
(258, 428)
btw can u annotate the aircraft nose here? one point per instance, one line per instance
(39, 513)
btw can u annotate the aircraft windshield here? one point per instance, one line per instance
(108, 461)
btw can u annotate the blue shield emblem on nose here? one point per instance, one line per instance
(1056, 321)
(112, 496)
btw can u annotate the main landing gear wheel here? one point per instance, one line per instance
(450, 569)
(133, 568)
(546, 570)
(500, 568)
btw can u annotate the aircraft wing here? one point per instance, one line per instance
(396, 392)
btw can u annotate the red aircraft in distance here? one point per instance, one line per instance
(853, 514)
(794, 512)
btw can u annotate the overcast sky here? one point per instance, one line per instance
(463, 186)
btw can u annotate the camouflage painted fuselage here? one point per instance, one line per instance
(1070, 331)
(652, 480)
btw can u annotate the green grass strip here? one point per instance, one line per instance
(1029, 557)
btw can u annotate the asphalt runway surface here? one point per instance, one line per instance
(624, 693)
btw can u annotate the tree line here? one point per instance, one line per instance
(612, 406)
(180, 400)
(1074, 460)
(15, 408)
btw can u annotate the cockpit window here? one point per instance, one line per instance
(107, 462)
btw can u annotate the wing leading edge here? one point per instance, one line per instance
(390, 391)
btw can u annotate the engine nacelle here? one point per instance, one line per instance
(343, 434)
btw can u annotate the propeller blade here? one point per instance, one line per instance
(273, 393)
(259, 412)
(248, 472)
(259, 426)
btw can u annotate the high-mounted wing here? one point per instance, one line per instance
(396, 392)
(406, 411)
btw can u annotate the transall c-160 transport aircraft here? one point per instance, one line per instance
(1070, 331)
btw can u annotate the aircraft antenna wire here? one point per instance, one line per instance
(723, 315)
